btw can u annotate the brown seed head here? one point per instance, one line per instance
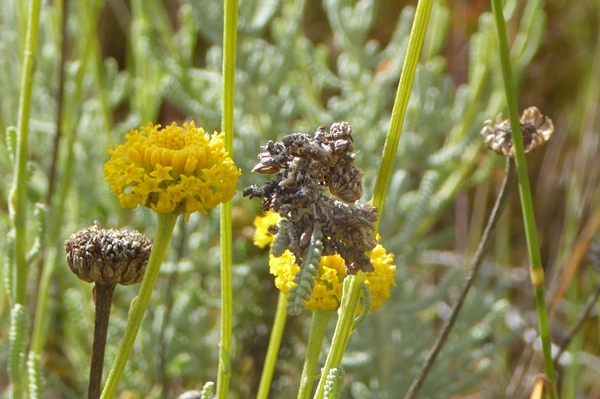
(107, 256)
(536, 129)
(304, 166)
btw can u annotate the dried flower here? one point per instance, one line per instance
(327, 291)
(536, 129)
(174, 169)
(303, 166)
(107, 256)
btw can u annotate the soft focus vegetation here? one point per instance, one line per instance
(121, 65)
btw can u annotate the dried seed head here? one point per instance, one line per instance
(107, 256)
(303, 166)
(536, 129)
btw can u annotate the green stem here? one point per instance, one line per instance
(273, 350)
(413, 51)
(164, 230)
(229, 54)
(536, 271)
(18, 195)
(352, 284)
(40, 325)
(318, 328)
(343, 328)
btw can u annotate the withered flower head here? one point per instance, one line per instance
(536, 129)
(107, 256)
(303, 167)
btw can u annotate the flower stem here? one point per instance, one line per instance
(103, 294)
(229, 55)
(164, 230)
(413, 51)
(343, 328)
(352, 284)
(536, 270)
(318, 328)
(273, 350)
(18, 197)
(509, 179)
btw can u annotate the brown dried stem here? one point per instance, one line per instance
(103, 294)
(583, 317)
(509, 180)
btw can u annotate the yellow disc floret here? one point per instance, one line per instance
(262, 237)
(175, 169)
(327, 291)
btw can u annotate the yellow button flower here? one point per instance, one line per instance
(262, 237)
(175, 169)
(327, 291)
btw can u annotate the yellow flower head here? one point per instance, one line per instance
(327, 291)
(262, 237)
(175, 169)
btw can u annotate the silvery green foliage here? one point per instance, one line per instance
(366, 301)
(402, 328)
(282, 239)
(436, 158)
(305, 278)
(34, 373)
(207, 389)
(334, 383)
(285, 82)
(77, 327)
(16, 344)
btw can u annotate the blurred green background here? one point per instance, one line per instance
(103, 67)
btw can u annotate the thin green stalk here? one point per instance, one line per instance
(164, 230)
(413, 51)
(273, 350)
(162, 347)
(318, 328)
(18, 197)
(536, 270)
(343, 328)
(41, 321)
(352, 284)
(229, 55)
(18, 202)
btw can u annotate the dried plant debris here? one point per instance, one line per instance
(536, 129)
(303, 167)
